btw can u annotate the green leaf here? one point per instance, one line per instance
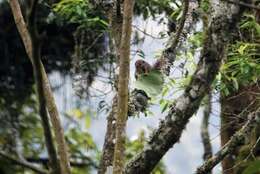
(75, 113)
(235, 83)
(88, 120)
(242, 48)
(253, 168)
(151, 83)
(141, 53)
(165, 91)
(165, 106)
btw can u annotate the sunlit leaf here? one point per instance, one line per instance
(75, 113)
(151, 83)
(88, 120)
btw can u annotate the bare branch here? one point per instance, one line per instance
(204, 128)
(35, 57)
(170, 52)
(24, 164)
(86, 161)
(115, 21)
(122, 105)
(109, 145)
(237, 139)
(51, 106)
(244, 4)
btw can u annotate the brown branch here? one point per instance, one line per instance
(204, 129)
(84, 162)
(146, 33)
(32, 12)
(35, 57)
(123, 82)
(50, 101)
(244, 4)
(115, 21)
(109, 145)
(171, 128)
(237, 139)
(24, 164)
(170, 52)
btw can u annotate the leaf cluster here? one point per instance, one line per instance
(79, 12)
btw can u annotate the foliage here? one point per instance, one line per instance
(242, 67)
(243, 59)
(151, 83)
(153, 7)
(79, 12)
(205, 5)
(253, 168)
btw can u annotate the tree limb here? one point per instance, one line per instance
(35, 57)
(50, 101)
(237, 139)
(74, 163)
(116, 23)
(24, 164)
(124, 69)
(170, 53)
(171, 128)
(244, 4)
(204, 128)
(108, 147)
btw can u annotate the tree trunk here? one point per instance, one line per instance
(124, 68)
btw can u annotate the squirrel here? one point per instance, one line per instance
(143, 67)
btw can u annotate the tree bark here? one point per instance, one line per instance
(116, 21)
(51, 106)
(124, 68)
(204, 129)
(35, 57)
(109, 145)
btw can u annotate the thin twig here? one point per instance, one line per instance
(145, 33)
(237, 139)
(173, 46)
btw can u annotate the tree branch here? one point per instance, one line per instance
(108, 147)
(84, 163)
(237, 139)
(116, 23)
(51, 106)
(171, 128)
(169, 53)
(24, 164)
(204, 128)
(122, 105)
(36, 48)
(244, 4)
